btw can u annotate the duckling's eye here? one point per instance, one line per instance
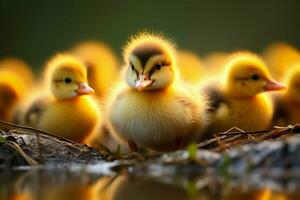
(255, 77)
(68, 80)
(158, 66)
(132, 67)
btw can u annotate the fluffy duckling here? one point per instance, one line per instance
(18, 67)
(190, 67)
(239, 101)
(152, 109)
(214, 63)
(12, 90)
(69, 111)
(287, 103)
(278, 57)
(102, 65)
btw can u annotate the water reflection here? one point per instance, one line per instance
(66, 185)
(132, 188)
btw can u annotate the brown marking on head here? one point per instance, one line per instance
(146, 51)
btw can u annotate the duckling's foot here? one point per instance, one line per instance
(132, 146)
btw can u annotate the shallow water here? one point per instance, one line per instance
(98, 183)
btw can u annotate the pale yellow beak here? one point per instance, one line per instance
(84, 88)
(273, 85)
(143, 82)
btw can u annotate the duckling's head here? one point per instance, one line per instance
(247, 76)
(68, 77)
(101, 62)
(292, 80)
(149, 62)
(18, 66)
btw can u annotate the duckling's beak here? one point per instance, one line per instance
(84, 88)
(273, 85)
(143, 82)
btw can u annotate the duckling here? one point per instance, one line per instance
(102, 65)
(214, 63)
(278, 57)
(190, 67)
(12, 91)
(18, 67)
(238, 100)
(287, 103)
(68, 111)
(14, 88)
(153, 109)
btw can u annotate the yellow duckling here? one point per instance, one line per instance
(287, 103)
(12, 90)
(278, 57)
(16, 80)
(214, 63)
(190, 67)
(152, 109)
(69, 111)
(239, 101)
(102, 65)
(20, 68)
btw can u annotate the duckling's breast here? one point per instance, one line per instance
(161, 120)
(73, 119)
(250, 114)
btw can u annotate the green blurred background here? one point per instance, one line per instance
(35, 30)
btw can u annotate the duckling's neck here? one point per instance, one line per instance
(160, 90)
(237, 96)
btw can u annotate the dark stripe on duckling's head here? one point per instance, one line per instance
(146, 52)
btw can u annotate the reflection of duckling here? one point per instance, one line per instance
(12, 90)
(190, 67)
(142, 189)
(18, 67)
(279, 56)
(257, 194)
(238, 102)
(70, 112)
(20, 197)
(102, 65)
(287, 103)
(152, 110)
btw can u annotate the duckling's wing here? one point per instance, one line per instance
(35, 110)
(215, 98)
